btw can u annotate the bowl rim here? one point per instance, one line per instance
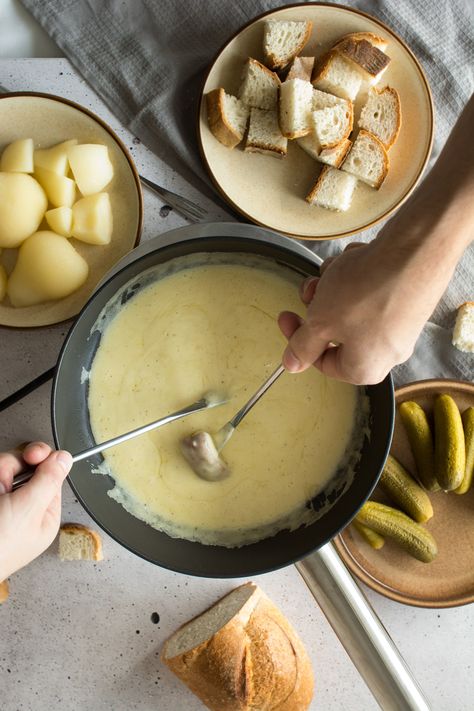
(423, 163)
(124, 150)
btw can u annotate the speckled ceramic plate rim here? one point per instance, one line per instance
(423, 163)
(343, 550)
(129, 159)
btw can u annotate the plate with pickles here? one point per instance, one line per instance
(413, 541)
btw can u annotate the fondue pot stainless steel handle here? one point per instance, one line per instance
(350, 614)
(361, 632)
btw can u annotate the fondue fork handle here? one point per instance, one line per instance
(202, 404)
(361, 632)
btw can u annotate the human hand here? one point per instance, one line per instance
(372, 302)
(30, 516)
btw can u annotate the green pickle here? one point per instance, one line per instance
(421, 442)
(450, 448)
(390, 522)
(400, 486)
(374, 539)
(468, 426)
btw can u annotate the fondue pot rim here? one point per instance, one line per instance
(296, 545)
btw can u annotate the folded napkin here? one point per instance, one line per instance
(147, 58)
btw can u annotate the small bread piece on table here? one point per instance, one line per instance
(301, 68)
(296, 100)
(242, 655)
(367, 160)
(4, 591)
(259, 87)
(332, 190)
(333, 124)
(382, 115)
(330, 156)
(78, 542)
(283, 41)
(368, 59)
(264, 135)
(463, 334)
(337, 75)
(227, 117)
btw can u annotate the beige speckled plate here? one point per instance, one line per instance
(449, 580)
(48, 120)
(271, 192)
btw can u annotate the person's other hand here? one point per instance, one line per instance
(364, 314)
(30, 516)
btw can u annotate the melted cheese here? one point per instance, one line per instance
(207, 328)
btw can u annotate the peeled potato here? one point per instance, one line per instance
(22, 206)
(61, 191)
(48, 267)
(60, 220)
(55, 158)
(18, 157)
(91, 167)
(92, 219)
(3, 282)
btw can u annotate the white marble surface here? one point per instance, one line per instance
(79, 637)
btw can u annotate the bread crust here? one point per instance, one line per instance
(218, 124)
(465, 303)
(379, 42)
(4, 591)
(314, 190)
(266, 149)
(386, 160)
(301, 68)
(254, 662)
(344, 147)
(321, 66)
(78, 528)
(274, 63)
(364, 55)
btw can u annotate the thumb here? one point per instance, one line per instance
(47, 480)
(304, 347)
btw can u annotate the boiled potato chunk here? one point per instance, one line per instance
(60, 220)
(22, 206)
(61, 191)
(3, 282)
(48, 267)
(54, 158)
(92, 219)
(18, 157)
(91, 167)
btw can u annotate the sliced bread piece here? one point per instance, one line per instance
(264, 135)
(336, 75)
(301, 68)
(382, 115)
(368, 59)
(333, 124)
(367, 160)
(332, 190)
(283, 41)
(259, 87)
(295, 104)
(323, 100)
(242, 654)
(4, 591)
(77, 542)
(227, 117)
(463, 334)
(330, 156)
(379, 42)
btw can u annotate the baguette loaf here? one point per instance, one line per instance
(264, 135)
(259, 87)
(242, 655)
(333, 190)
(227, 117)
(78, 542)
(382, 115)
(463, 334)
(283, 41)
(367, 160)
(4, 591)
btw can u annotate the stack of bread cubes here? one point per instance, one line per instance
(310, 101)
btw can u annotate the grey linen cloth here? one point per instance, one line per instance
(147, 60)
